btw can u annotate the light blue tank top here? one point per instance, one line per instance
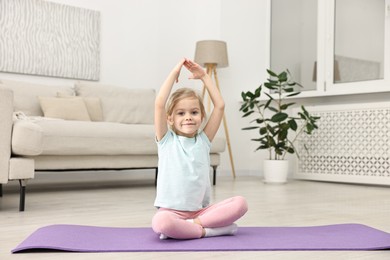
(183, 181)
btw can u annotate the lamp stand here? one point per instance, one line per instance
(211, 69)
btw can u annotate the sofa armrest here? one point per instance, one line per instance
(6, 110)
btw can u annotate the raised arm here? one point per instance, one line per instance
(216, 115)
(160, 116)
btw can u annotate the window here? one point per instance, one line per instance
(332, 46)
(294, 39)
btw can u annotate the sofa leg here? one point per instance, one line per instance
(214, 175)
(155, 179)
(22, 195)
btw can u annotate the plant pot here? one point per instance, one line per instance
(275, 171)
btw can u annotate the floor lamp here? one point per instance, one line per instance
(212, 54)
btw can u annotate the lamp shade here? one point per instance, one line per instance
(211, 52)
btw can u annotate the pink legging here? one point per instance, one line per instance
(172, 223)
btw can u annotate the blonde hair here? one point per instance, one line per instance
(181, 94)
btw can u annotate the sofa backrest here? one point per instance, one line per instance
(120, 104)
(26, 95)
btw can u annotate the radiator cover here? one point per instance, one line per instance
(352, 144)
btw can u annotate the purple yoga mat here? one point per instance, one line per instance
(107, 239)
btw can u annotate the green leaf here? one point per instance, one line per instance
(250, 94)
(267, 104)
(263, 131)
(305, 111)
(256, 140)
(290, 150)
(258, 92)
(302, 116)
(270, 86)
(264, 140)
(279, 151)
(243, 95)
(262, 147)
(271, 141)
(293, 94)
(269, 96)
(248, 113)
(285, 106)
(279, 117)
(250, 128)
(293, 124)
(243, 107)
(270, 72)
(309, 128)
(271, 130)
(284, 126)
(282, 76)
(289, 90)
(273, 109)
(283, 134)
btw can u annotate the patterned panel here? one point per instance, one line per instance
(44, 38)
(351, 145)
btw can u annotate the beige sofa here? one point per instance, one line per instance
(87, 126)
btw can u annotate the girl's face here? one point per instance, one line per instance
(186, 118)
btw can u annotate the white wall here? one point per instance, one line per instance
(243, 28)
(141, 40)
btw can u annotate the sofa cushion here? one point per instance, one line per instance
(65, 108)
(65, 137)
(26, 95)
(119, 104)
(94, 108)
(92, 103)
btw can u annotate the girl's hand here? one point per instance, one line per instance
(196, 70)
(177, 69)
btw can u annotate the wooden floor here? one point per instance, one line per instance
(118, 200)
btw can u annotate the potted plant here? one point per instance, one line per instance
(274, 123)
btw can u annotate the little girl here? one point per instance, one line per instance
(183, 186)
